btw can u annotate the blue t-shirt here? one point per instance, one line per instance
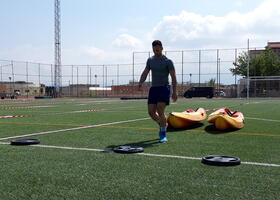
(160, 68)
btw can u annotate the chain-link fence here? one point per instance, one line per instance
(197, 66)
(260, 86)
(193, 68)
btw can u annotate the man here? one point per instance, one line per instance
(159, 93)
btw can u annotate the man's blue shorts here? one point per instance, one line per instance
(159, 94)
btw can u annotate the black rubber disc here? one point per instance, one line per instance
(128, 149)
(221, 160)
(25, 142)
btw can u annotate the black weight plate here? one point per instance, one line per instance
(25, 142)
(221, 160)
(128, 149)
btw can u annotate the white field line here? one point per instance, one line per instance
(261, 164)
(81, 111)
(269, 120)
(55, 104)
(144, 154)
(72, 129)
(236, 105)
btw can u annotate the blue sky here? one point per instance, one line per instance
(108, 31)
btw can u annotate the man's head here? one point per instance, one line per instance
(157, 48)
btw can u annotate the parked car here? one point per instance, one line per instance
(244, 92)
(7, 96)
(207, 92)
(220, 93)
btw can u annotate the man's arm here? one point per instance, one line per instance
(143, 77)
(174, 85)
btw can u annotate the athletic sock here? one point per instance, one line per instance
(162, 129)
(158, 122)
(162, 134)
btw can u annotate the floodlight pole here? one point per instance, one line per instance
(57, 57)
(248, 65)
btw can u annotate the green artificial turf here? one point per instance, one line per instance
(34, 172)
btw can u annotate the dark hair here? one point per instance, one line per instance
(156, 42)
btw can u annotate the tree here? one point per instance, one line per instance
(211, 82)
(265, 64)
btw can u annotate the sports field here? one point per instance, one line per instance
(74, 159)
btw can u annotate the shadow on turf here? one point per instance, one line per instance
(194, 126)
(212, 130)
(144, 144)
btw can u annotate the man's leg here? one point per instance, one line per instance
(152, 110)
(163, 122)
(152, 104)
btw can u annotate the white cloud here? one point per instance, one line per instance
(93, 51)
(191, 30)
(127, 41)
(93, 55)
(187, 30)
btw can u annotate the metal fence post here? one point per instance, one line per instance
(103, 77)
(149, 73)
(88, 79)
(72, 89)
(235, 77)
(52, 83)
(118, 74)
(133, 68)
(217, 81)
(39, 68)
(1, 73)
(77, 82)
(69, 88)
(27, 90)
(235, 60)
(248, 68)
(13, 75)
(199, 65)
(219, 73)
(106, 76)
(182, 68)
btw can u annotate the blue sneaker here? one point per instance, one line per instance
(162, 137)
(163, 140)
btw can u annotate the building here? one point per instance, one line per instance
(22, 88)
(78, 90)
(275, 46)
